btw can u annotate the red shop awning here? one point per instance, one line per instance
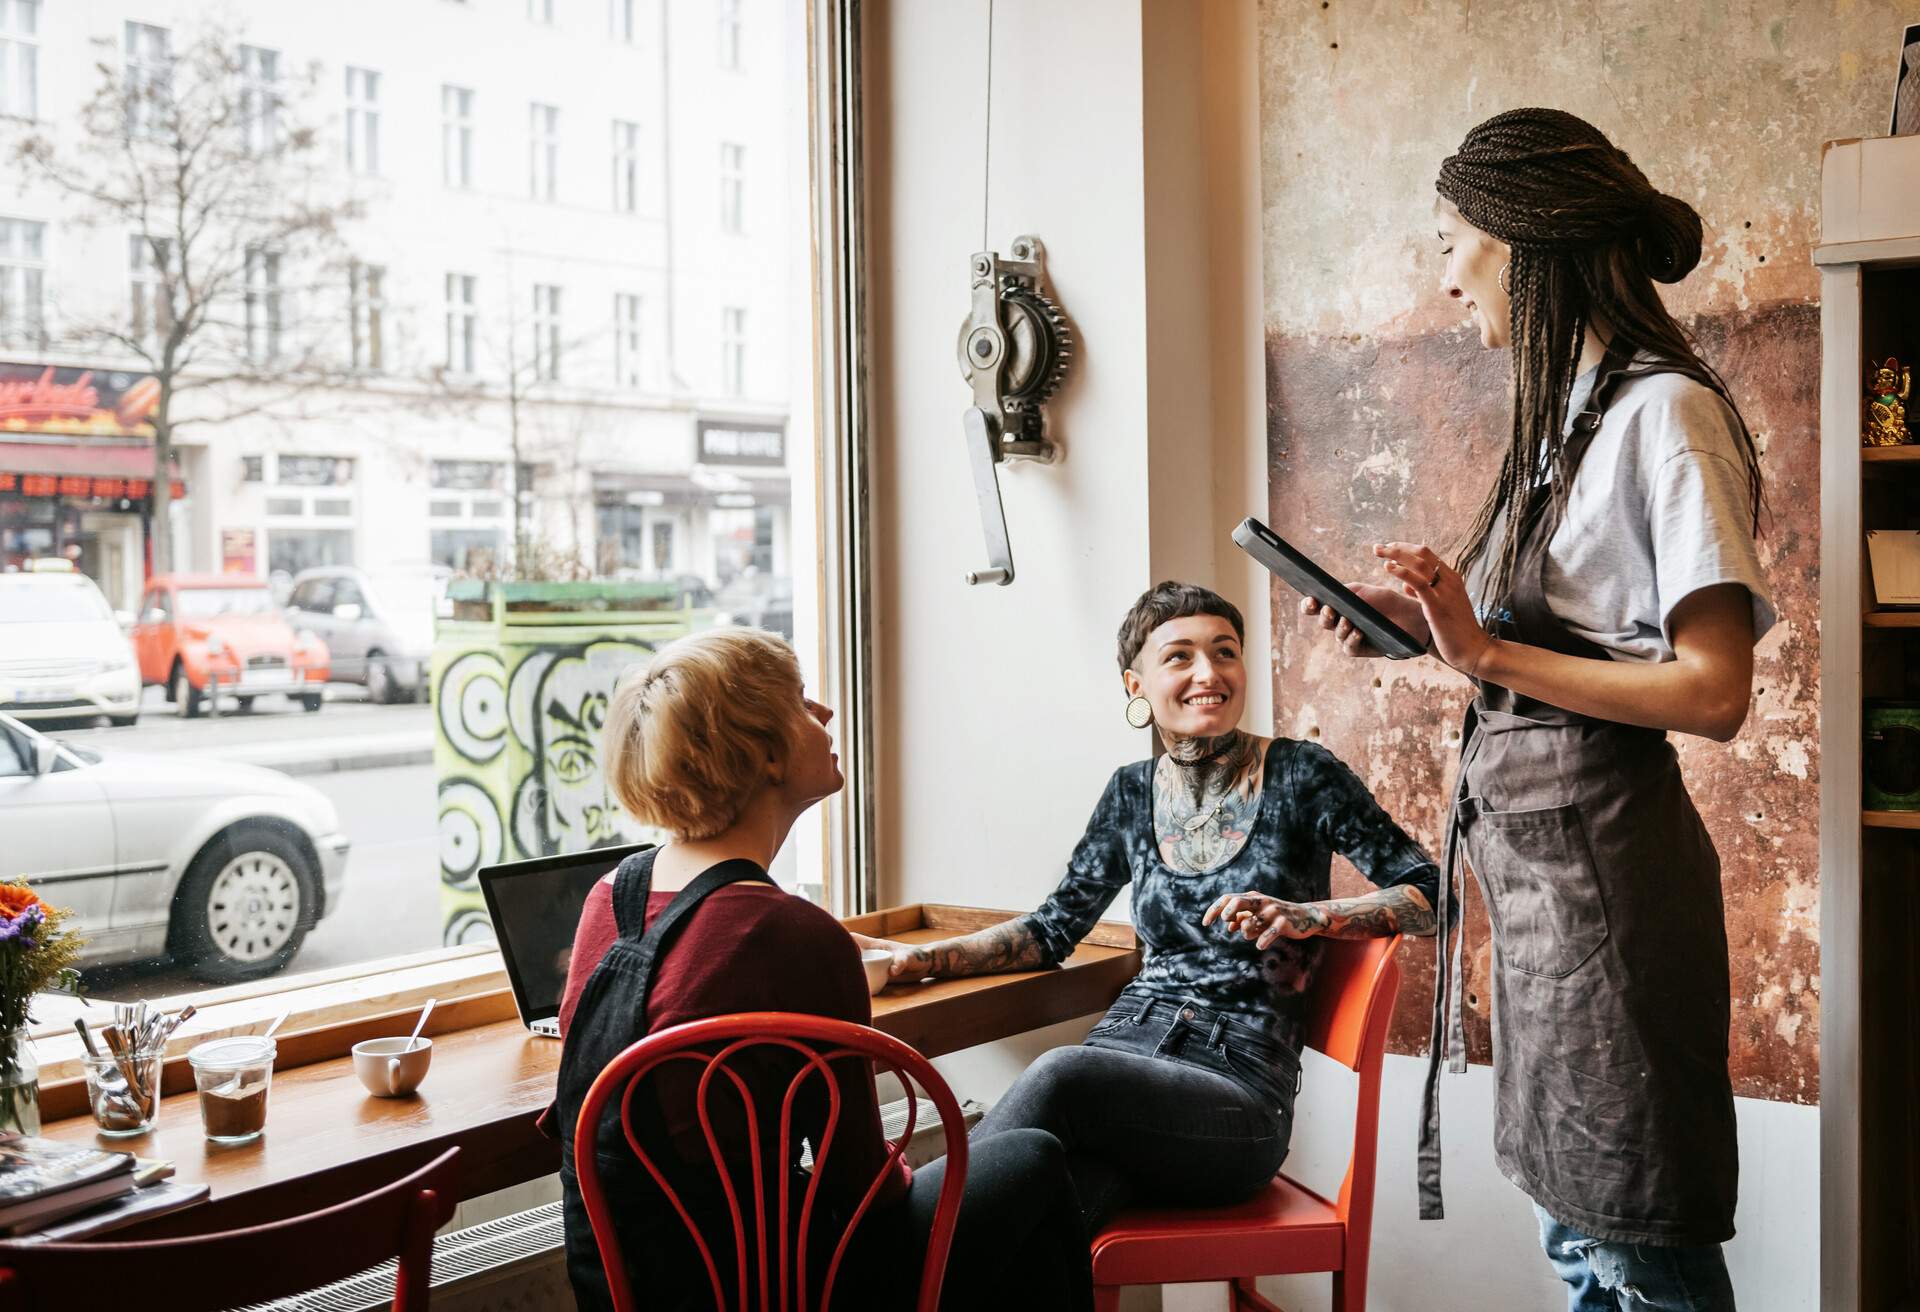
(79, 470)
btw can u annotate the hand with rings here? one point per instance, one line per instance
(1441, 593)
(1265, 920)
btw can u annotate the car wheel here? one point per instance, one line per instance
(380, 682)
(124, 721)
(245, 906)
(311, 701)
(186, 698)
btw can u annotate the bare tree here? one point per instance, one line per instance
(234, 217)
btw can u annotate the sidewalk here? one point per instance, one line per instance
(349, 734)
(361, 751)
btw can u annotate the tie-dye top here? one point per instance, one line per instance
(1311, 806)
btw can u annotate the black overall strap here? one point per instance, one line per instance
(660, 933)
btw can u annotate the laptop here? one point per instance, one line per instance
(535, 907)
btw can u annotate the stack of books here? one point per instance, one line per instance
(52, 1190)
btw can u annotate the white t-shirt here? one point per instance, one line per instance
(1659, 509)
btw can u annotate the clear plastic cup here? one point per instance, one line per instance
(124, 1095)
(233, 1077)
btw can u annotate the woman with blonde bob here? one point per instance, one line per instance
(717, 743)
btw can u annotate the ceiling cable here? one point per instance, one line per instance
(986, 167)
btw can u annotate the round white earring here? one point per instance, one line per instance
(1139, 712)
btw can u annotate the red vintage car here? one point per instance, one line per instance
(203, 634)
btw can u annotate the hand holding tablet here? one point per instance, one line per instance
(1329, 598)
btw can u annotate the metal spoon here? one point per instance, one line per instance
(419, 1025)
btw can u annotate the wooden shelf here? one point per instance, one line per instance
(1892, 619)
(1891, 819)
(1891, 455)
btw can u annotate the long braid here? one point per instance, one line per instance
(1589, 235)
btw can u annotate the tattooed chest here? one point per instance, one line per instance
(1205, 813)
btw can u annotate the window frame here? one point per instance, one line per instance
(548, 305)
(629, 340)
(543, 151)
(331, 999)
(626, 166)
(733, 188)
(456, 136)
(366, 316)
(264, 301)
(147, 52)
(733, 350)
(20, 53)
(362, 121)
(465, 311)
(28, 271)
(260, 98)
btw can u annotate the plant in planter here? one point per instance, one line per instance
(37, 953)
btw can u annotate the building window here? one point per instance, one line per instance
(626, 166)
(20, 58)
(263, 304)
(541, 11)
(543, 150)
(546, 331)
(730, 34)
(149, 269)
(621, 20)
(733, 185)
(733, 350)
(149, 76)
(363, 122)
(463, 322)
(253, 469)
(626, 339)
(367, 283)
(260, 98)
(23, 271)
(456, 136)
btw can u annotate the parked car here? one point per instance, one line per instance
(62, 653)
(224, 867)
(758, 601)
(378, 626)
(198, 629)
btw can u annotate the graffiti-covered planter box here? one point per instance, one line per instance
(522, 674)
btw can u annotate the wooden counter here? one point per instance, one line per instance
(327, 1139)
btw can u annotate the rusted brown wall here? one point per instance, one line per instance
(1385, 417)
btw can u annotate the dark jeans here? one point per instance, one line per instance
(1605, 1276)
(1164, 1104)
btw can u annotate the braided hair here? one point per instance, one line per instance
(1589, 236)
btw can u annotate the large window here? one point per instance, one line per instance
(463, 323)
(626, 166)
(20, 58)
(543, 151)
(23, 254)
(491, 445)
(456, 137)
(363, 121)
(149, 74)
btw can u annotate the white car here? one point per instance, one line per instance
(223, 867)
(62, 654)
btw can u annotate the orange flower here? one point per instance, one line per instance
(15, 898)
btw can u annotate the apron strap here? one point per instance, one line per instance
(1447, 1035)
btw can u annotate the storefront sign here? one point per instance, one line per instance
(79, 485)
(743, 444)
(45, 399)
(238, 551)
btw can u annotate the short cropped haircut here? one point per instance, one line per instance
(688, 736)
(1172, 601)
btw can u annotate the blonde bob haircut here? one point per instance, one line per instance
(688, 736)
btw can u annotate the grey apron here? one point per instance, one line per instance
(1614, 1111)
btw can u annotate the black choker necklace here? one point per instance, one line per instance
(1227, 742)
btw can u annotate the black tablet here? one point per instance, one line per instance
(1303, 576)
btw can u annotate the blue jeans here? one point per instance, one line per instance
(1603, 1275)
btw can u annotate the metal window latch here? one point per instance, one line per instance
(1014, 351)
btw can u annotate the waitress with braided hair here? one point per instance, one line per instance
(1608, 594)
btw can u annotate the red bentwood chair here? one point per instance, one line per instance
(1287, 1227)
(238, 1267)
(711, 1045)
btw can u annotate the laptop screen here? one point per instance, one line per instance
(535, 907)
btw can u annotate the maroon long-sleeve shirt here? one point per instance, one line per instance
(753, 947)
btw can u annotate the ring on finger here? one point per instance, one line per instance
(1434, 582)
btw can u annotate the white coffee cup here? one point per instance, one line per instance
(877, 962)
(390, 1068)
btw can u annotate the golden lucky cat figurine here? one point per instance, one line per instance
(1886, 405)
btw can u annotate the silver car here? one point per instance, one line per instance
(224, 867)
(377, 624)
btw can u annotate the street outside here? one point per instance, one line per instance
(391, 904)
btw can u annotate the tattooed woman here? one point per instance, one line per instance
(1183, 1093)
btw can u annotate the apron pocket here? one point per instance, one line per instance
(1546, 904)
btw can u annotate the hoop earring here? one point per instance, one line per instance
(1501, 278)
(1139, 712)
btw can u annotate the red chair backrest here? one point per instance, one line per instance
(237, 1267)
(1354, 987)
(775, 1278)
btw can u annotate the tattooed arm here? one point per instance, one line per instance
(1098, 869)
(1010, 945)
(1401, 909)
